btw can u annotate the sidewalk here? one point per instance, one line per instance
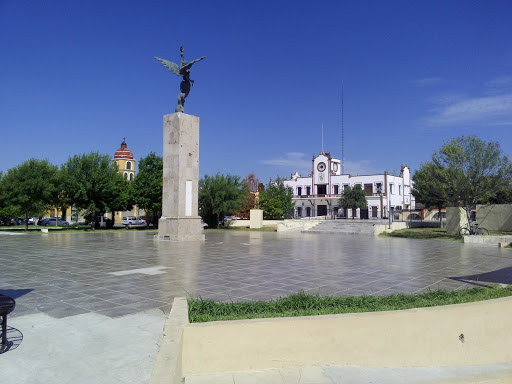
(328, 374)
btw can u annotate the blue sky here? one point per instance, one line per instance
(78, 76)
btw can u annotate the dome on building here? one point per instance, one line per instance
(123, 152)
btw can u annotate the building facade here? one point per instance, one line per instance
(318, 193)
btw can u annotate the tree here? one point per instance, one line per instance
(148, 185)
(251, 184)
(476, 171)
(123, 196)
(431, 187)
(218, 195)
(276, 200)
(90, 183)
(29, 189)
(353, 198)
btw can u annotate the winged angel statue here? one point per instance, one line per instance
(182, 70)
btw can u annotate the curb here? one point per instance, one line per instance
(168, 365)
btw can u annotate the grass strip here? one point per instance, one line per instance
(303, 304)
(422, 233)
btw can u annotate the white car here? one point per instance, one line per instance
(133, 220)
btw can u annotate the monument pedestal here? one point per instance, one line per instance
(180, 220)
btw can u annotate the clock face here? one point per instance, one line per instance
(321, 167)
(335, 167)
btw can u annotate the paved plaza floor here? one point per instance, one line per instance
(120, 273)
(85, 300)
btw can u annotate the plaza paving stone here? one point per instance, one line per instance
(66, 274)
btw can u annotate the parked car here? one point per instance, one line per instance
(203, 224)
(54, 222)
(43, 221)
(133, 220)
(11, 221)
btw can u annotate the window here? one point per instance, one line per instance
(379, 187)
(131, 176)
(126, 175)
(336, 189)
(368, 189)
(299, 212)
(321, 189)
(308, 211)
(345, 186)
(399, 189)
(128, 165)
(308, 191)
(390, 189)
(299, 191)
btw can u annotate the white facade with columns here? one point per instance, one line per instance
(318, 193)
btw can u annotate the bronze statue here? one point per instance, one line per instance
(182, 70)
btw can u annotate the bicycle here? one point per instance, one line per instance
(472, 229)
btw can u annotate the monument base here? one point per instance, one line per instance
(180, 229)
(256, 218)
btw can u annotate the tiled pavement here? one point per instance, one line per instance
(115, 274)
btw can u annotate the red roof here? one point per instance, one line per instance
(123, 152)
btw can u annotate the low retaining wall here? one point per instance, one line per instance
(247, 223)
(296, 225)
(463, 334)
(491, 240)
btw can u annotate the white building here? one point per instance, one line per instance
(318, 193)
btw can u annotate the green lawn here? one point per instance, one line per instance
(422, 233)
(302, 304)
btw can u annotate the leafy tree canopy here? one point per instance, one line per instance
(431, 186)
(276, 200)
(29, 189)
(353, 198)
(473, 171)
(148, 185)
(218, 195)
(90, 182)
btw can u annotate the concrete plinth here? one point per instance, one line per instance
(256, 218)
(180, 220)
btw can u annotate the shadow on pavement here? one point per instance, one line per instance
(499, 276)
(14, 339)
(15, 293)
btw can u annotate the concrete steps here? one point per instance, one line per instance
(346, 226)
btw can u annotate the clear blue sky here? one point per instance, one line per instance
(78, 76)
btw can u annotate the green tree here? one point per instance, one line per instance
(218, 195)
(29, 189)
(90, 183)
(431, 187)
(250, 183)
(353, 198)
(123, 196)
(276, 200)
(148, 186)
(476, 171)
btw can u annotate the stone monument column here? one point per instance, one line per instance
(180, 220)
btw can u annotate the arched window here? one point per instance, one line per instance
(131, 176)
(128, 165)
(126, 175)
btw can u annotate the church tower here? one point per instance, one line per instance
(125, 162)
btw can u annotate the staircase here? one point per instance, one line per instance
(346, 226)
